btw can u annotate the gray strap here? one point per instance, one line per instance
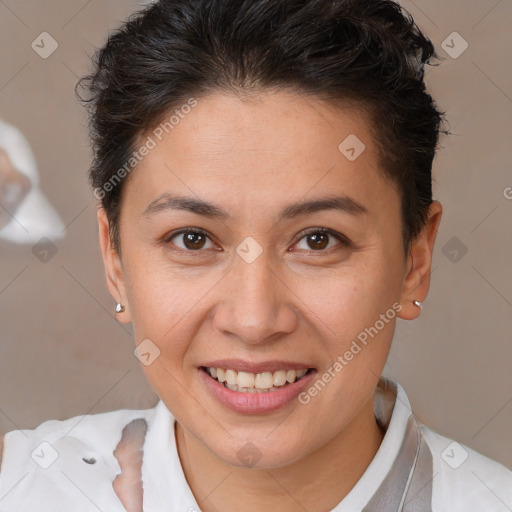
(408, 485)
(419, 494)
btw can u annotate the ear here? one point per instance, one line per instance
(114, 272)
(419, 264)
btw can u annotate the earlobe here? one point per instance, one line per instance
(113, 268)
(419, 265)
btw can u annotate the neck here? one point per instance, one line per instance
(318, 481)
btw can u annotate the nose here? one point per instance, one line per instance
(258, 303)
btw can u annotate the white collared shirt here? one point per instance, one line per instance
(69, 465)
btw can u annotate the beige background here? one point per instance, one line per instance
(63, 354)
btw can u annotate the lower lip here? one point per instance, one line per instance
(255, 403)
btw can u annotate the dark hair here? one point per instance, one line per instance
(367, 51)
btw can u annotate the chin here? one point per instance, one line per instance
(257, 454)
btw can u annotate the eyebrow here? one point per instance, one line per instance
(168, 201)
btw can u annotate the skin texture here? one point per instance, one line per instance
(253, 157)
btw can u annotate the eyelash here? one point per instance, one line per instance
(344, 241)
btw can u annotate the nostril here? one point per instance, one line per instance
(91, 460)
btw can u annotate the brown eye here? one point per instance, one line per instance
(320, 239)
(192, 239)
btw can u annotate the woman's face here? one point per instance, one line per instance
(258, 289)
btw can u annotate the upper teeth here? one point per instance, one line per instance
(265, 380)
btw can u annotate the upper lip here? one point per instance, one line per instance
(241, 365)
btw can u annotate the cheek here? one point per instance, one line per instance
(350, 298)
(163, 306)
(165, 301)
(346, 311)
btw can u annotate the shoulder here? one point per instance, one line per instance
(72, 459)
(464, 479)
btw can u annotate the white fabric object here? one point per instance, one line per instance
(479, 484)
(35, 218)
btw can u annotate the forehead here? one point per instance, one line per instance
(283, 123)
(273, 145)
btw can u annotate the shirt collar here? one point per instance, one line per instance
(399, 477)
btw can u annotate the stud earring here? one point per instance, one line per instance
(417, 303)
(119, 308)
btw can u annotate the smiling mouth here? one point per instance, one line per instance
(246, 382)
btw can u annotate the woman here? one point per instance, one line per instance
(265, 212)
